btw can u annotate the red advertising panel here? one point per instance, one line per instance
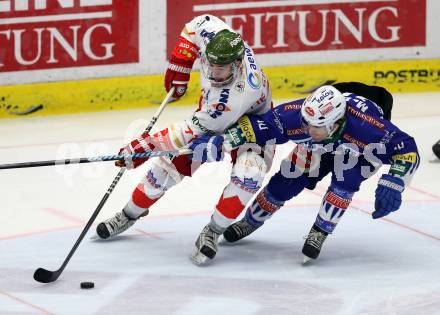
(310, 25)
(46, 34)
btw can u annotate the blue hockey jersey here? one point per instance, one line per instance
(365, 133)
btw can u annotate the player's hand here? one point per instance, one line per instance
(179, 68)
(388, 195)
(139, 145)
(178, 80)
(207, 148)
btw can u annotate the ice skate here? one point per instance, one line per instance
(206, 246)
(117, 224)
(313, 244)
(435, 158)
(238, 230)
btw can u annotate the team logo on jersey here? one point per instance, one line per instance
(387, 137)
(152, 180)
(254, 80)
(206, 34)
(247, 184)
(216, 110)
(239, 86)
(310, 111)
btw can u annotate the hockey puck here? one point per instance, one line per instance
(87, 285)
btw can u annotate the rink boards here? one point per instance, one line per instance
(139, 91)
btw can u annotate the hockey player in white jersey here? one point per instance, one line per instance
(232, 85)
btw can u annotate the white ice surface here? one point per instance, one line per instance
(387, 266)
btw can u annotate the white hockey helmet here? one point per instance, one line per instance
(324, 107)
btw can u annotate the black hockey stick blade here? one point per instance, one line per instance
(45, 276)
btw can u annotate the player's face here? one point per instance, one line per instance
(220, 73)
(318, 134)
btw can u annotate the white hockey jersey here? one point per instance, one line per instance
(219, 107)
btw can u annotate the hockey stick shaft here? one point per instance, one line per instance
(45, 276)
(103, 158)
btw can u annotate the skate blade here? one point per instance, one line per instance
(222, 241)
(199, 259)
(96, 238)
(434, 159)
(307, 260)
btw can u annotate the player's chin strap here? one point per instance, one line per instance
(336, 133)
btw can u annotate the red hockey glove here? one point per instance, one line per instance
(179, 68)
(139, 145)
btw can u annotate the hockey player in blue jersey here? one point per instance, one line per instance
(345, 134)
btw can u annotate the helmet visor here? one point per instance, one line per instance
(218, 75)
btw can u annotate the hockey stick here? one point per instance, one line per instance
(46, 276)
(103, 158)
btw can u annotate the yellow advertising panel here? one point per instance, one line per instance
(140, 91)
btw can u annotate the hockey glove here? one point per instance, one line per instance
(207, 148)
(388, 195)
(179, 68)
(139, 145)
